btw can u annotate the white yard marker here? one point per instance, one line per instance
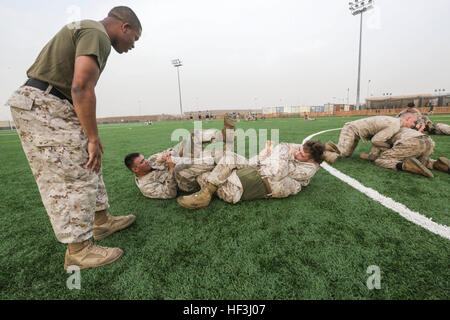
(412, 216)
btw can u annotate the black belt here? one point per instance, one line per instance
(38, 84)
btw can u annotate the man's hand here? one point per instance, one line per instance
(268, 149)
(364, 156)
(420, 128)
(95, 150)
(170, 163)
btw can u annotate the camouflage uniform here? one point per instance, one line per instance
(378, 130)
(56, 148)
(161, 184)
(285, 175)
(441, 129)
(407, 143)
(430, 127)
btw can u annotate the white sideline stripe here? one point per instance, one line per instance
(412, 216)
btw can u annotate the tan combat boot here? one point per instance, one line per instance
(413, 165)
(330, 146)
(330, 157)
(198, 200)
(105, 224)
(88, 255)
(442, 164)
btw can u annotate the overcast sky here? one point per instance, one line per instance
(243, 53)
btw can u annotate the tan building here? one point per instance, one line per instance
(401, 102)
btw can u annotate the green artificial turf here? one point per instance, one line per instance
(315, 245)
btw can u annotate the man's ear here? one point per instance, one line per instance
(311, 160)
(134, 169)
(126, 27)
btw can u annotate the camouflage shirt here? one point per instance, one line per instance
(378, 129)
(159, 183)
(285, 174)
(405, 133)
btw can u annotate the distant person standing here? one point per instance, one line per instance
(60, 135)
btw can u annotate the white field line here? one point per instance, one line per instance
(412, 216)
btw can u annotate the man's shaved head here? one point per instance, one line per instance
(125, 14)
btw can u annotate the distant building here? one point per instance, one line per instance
(401, 102)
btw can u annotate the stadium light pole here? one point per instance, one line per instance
(177, 64)
(359, 7)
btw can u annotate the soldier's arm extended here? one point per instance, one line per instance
(86, 74)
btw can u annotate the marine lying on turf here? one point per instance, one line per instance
(277, 172)
(162, 174)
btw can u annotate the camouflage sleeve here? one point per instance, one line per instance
(284, 187)
(423, 120)
(374, 153)
(302, 171)
(256, 160)
(263, 155)
(163, 186)
(155, 163)
(380, 140)
(274, 168)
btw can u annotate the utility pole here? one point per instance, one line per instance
(359, 7)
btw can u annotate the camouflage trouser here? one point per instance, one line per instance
(225, 178)
(56, 148)
(442, 128)
(418, 147)
(348, 141)
(186, 174)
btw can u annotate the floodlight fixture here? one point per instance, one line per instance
(359, 7)
(177, 63)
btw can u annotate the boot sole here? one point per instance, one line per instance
(107, 234)
(189, 207)
(98, 265)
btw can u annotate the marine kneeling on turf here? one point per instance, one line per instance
(410, 152)
(277, 172)
(378, 130)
